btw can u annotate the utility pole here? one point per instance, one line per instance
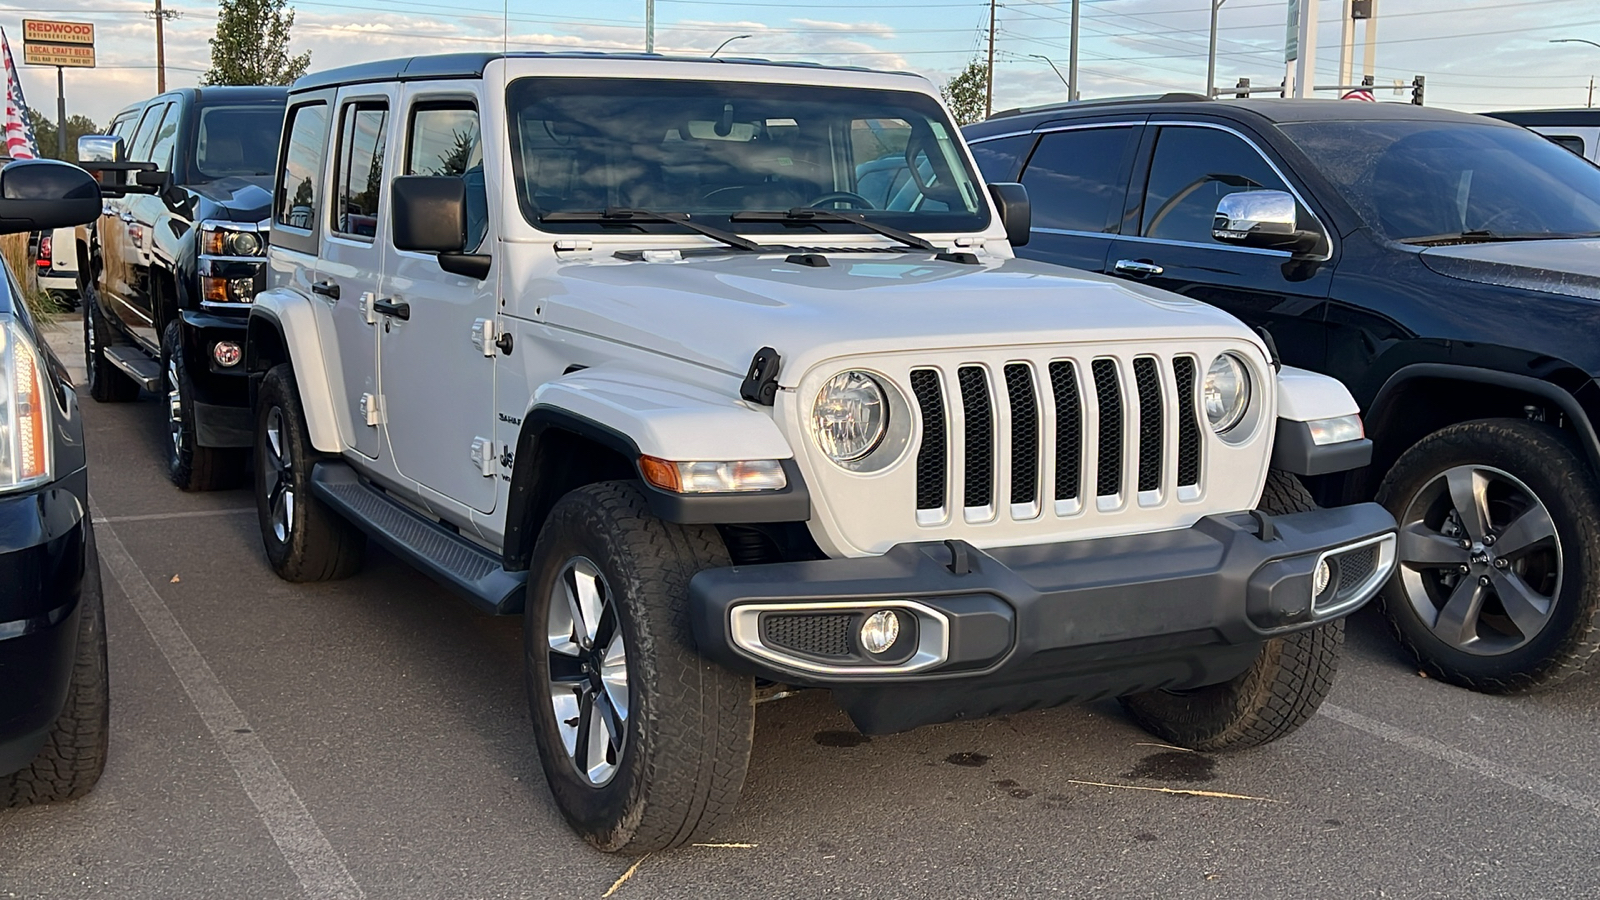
(61, 111)
(649, 26)
(1072, 56)
(1591, 92)
(161, 16)
(1211, 54)
(988, 73)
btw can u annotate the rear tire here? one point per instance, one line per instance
(107, 383)
(74, 755)
(304, 539)
(1278, 693)
(191, 466)
(663, 734)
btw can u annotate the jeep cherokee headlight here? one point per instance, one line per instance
(24, 411)
(850, 416)
(1225, 393)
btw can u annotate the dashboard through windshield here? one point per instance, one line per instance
(712, 150)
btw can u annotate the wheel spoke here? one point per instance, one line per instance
(1526, 530)
(583, 745)
(568, 714)
(560, 631)
(1422, 547)
(614, 675)
(1457, 623)
(1527, 609)
(588, 591)
(1468, 491)
(605, 741)
(606, 630)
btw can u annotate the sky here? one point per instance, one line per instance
(1477, 54)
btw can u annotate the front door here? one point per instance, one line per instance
(144, 212)
(122, 242)
(350, 266)
(438, 384)
(1077, 180)
(1173, 205)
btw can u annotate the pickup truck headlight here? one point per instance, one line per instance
(1226, 392)
(217, 241)
(24, 411)
(850, 416)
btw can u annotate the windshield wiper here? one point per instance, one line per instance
(622, 216)
(807, 214)
(1482, 236)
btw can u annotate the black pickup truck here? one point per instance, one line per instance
(168, 272)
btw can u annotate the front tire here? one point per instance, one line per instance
(644, 743)
(304, 539)
(1280, 691)
(1497, 586)
(191, 466)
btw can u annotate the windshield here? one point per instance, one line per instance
(713, 150)
(237, 141)
(1420, 181)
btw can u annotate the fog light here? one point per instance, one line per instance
(1320, 578)
(880, 631)
(227, 353)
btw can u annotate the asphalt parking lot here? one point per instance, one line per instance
(369, 738)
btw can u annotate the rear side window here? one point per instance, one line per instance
(167, 138)
(1000, 158)
(358, 179)
(444, 140)
(1193, 168)
(295, 205)
(1570, 141)
(1075, 179)
(145, 136)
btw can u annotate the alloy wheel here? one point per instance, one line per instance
(277, 485)
(175, 408)
(1480, 560)
(588, 670)
(91, 347)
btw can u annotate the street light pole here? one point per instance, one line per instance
(1581, 41)
(649, 26)
(737, 37)
(1057, 71)
(1211, 55)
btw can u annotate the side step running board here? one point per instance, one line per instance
(457, 563)
(141, 368)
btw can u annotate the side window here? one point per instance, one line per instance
(443, 139)
(167, 137)
(1570, 141)
(1075, 179)
(145, 136)
(1000, 158)
(358, 177)
(1192, 169)
(296, 202)
(123, 128)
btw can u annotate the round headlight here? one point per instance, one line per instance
(1226, 392)
(244, 243)
(850, 416)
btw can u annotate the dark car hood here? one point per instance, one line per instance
(1570, 267)
(238, 199)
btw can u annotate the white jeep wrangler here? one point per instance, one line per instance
(724, 374)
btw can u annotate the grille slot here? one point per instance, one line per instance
(933, 476)
(978, 435)
(814, 634)
(1024, 434)
(1183, 370)
(1148, 380)
(1069, 429)
(1109, 394)
(1356, 566)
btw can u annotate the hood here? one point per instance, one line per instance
(237, 198)
(718, 311)
(1570, 267)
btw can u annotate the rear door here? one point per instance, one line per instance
(1077, 180)
(142, 212)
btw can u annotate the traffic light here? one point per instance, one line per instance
(1418, 84)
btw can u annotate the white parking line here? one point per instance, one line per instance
(321, 872)
(161, 517)
(1498, 771)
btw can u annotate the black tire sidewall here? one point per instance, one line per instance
(1546, 460)
(278, 391)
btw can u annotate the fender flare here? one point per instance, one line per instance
(1561, 397)
(295, 326)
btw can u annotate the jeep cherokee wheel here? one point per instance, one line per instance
(107, 383)
(189, 465)
(1497, 586)
(1278, 693)
(304, 539)
(644, 743)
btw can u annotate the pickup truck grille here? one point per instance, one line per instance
(1027, 433)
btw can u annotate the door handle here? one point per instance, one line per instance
(126, 217)
(400, 311)
(1142, 268)
(329, 289)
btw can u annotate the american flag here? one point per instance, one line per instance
(19, 135)
(1362, 94)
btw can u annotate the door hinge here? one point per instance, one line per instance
(484, 457)
(483, 334)
(372, 410)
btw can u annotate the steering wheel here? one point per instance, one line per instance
(849, 197)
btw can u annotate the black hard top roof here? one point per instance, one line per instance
(1549, 116)
(222, 93)
(471, 65)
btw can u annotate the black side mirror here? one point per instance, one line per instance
(428, 214)
(43, 194)
(1016, 213)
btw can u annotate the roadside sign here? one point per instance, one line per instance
(51, 32)
(57, 55)
(46, 42)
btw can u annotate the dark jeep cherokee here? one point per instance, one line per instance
(168, 272)
(1445, 267)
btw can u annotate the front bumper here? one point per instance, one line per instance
(985, 632)
(222, 402)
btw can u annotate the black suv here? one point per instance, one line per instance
(1444, 266)
(53, 697)
(168, 272)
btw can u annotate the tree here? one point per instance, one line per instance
(252, 44)
(44, 133)
(967, 92)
